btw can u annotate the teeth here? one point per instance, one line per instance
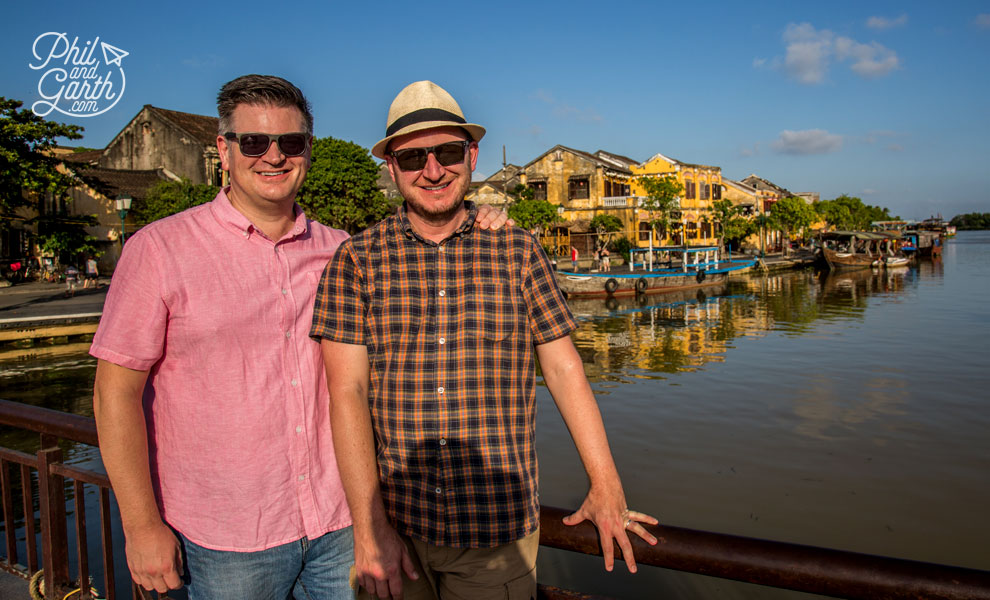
(273, 173)
(436, 187)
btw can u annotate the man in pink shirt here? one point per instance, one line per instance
(210, 397)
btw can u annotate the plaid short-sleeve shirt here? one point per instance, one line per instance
(450, 330)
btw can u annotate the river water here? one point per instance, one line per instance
(846, 411)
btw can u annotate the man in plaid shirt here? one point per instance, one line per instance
(428, 326)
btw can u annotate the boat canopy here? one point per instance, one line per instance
(861, 235)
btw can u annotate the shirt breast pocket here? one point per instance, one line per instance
(491, 310)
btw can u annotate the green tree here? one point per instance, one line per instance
(341, 188)
(26, 161)
(531, 214)
(732, 225)
(849, 213)
(66, 238)
(169, 197)
(605, 227)
(662, 200)
(622, 246)
(971, 221)
(792, 215)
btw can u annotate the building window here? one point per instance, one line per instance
(716, 191)
(688, 189)
(608, 188)
(705, 190)
(644, 231)
(539, 190)
(577, 189)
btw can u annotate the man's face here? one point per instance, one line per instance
(434, 192)
(272, 178)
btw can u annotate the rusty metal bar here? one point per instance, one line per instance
(47, 421)
(106, 538)
(82, 551)
(97, 479)
(51, 493)
(548, 592)
(30, 543)
(7, 492)
(778, 564)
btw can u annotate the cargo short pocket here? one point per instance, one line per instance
(522, 588)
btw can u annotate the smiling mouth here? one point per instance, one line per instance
(434, 188)
(272, 173)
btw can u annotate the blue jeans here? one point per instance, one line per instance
(305, 570)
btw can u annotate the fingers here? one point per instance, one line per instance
(407, 565)
(627, 551)
(575, 518)
(607, 551)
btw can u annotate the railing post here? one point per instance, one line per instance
(54, 537)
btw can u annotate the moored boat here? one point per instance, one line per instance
(861, 249)
(644, 280)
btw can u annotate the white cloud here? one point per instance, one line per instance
(809, 53)
(565, 111)
(982, 20)
(869, 60)
(808, 141)
(885, 23)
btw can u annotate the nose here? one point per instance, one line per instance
(433, 170)
(273, 154)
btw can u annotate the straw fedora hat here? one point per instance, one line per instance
(423, 105)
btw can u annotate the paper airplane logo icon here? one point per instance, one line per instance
(113, 51)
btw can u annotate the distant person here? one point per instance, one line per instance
(606, 260)
(574, 258)
(210, 398)
(92, 273)
(430, 329)
(71, 278)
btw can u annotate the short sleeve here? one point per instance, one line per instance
(338, 314)
(549, 316)
(134, 321)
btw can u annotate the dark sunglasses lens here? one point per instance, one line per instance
(449, 154)
(292, 144)
(254, 144)
(411, 159)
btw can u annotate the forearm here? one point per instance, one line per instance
(120, 422)
(354, 446)
(565, 378)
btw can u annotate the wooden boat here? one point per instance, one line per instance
(641, 279)
(861, 249)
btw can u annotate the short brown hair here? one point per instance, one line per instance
(260, 89)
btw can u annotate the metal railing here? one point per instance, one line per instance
(777, 564)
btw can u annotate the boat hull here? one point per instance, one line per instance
(592, 285)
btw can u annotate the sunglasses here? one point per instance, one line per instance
(414, 159)
(256, 144)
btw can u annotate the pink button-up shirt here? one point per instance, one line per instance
(236, 401)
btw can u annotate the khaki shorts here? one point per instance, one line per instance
(500, 573)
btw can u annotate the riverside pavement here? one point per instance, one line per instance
(41, 303)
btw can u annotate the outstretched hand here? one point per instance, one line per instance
(608, 512)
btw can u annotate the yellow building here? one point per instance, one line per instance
(582, 185)
(694, 224)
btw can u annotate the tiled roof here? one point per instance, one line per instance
(114, 182)
(89, 157)
(203, 128)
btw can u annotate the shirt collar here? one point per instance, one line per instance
(225, 212)
(463, 229)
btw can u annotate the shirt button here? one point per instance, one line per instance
(302, 477)
(288, 334)
(438, 490)
(442, 340)
(298, 428)
(443, 293)
(443, 441)
(294, 382)
(285, 292)
(440, 390)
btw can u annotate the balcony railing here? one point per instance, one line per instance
(789, 566)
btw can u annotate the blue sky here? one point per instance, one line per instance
(887, 101)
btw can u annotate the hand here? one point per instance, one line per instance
(379, 561)
(154, 558)
(492, 218)
(608, 512)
